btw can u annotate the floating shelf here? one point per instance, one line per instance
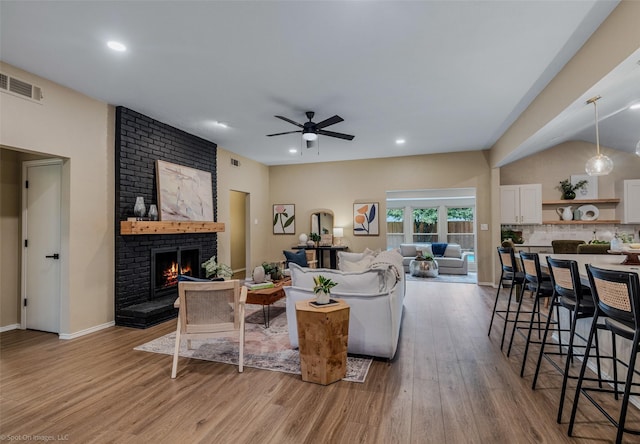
(168, 227)
(581, 201)
(581, 222)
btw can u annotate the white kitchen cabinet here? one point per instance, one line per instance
(628, 210)
(521, 204)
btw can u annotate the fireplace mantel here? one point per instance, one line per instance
(169, 227)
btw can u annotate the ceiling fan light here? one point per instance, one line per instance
(309, 136)
(599, 165)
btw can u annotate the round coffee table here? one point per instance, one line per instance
(423, 268)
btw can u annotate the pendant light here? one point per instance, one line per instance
(598, 165)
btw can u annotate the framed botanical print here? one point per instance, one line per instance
(284, 219)
(365, 219)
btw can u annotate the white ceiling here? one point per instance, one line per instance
(444, 75)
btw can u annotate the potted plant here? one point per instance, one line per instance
(315, 238)
(322, 289)
(272, 269)
(569, 190)
(515, 236)
(215, 270)
(424, 257)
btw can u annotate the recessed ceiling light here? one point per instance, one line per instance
(635, 106)
(220, 124)
(116, 46)
(400, 141)
(293, 150)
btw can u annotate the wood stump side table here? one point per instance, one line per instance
(322, 338)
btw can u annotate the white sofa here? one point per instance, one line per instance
(375, 294)
(453, 261)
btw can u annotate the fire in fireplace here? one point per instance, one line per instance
(168, 263)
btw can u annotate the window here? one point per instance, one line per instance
(460, 227)
(395, 227)
(425, 224)
(460, 230)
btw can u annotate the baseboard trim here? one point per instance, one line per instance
(9, 327)
(487, 284)
(86, 331)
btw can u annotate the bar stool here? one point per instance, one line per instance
(509, 274)
(540, 286)
(617, 296)
(570, 294)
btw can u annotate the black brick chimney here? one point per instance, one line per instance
(140, 141)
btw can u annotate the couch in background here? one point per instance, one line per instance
(374, 288)
(452, 261)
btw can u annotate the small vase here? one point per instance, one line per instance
(153, 212)
(322, 298)
(258, 274)
(139, 209)
(569, 195)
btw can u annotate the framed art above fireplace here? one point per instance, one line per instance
(184, 194)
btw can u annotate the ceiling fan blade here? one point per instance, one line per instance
(280, 134)
(338, 135)
(290, 121)
(330, 121)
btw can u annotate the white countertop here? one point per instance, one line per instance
(608, 261)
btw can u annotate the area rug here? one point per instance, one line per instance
(265, 348)
(470, 278)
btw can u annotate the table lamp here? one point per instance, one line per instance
(338, 233)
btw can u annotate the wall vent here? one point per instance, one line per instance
(20, 88)
(235, 162)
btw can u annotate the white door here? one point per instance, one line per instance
(41, 245)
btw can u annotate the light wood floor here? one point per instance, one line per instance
(449, 383)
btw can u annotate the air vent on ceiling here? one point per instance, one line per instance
(235, 162)
(20, 88)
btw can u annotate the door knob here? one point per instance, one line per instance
(54, 256)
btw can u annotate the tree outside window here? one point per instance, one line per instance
(425, 224)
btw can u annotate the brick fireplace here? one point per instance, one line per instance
(140, 141)
(167, 264)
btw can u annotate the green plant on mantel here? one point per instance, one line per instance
(569, 190)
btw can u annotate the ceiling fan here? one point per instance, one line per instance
(311, 130)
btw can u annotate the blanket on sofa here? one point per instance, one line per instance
(389, 259)
(438, 248)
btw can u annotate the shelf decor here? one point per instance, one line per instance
(569, 189)
(590, 188)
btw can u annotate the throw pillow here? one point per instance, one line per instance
(299, 257)
(344, 257)
(408, 250)
(186, 278)
(453, 250)
(360, 265)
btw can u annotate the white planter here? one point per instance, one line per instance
(258, 274)
(322, 298)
